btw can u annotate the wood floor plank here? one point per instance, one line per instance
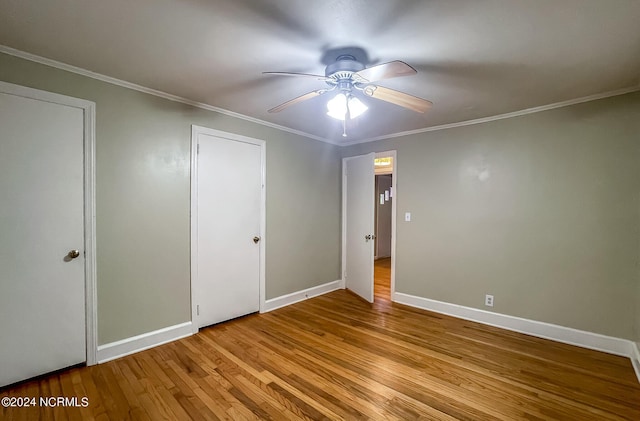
(449, 371)
(343, 387)
(337, 357)
(364, 363)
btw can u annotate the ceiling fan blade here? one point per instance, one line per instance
(296, 100)
(385, 71)
(399, 98)
(318, 77)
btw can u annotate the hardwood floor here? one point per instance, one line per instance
(382, 279)
(337, 357)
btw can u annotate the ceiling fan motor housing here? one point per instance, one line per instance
(343, 68)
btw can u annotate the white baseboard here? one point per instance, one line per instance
(635, 358)
(294, 297)
(113, 350)
(544, 330)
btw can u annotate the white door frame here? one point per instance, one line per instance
(394, 182)
(195, 131)
(89, 113)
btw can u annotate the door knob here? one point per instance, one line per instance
(256, 239)
(73, 254)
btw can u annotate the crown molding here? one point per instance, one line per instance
(123, 83)
(114, 81)
(519, 113)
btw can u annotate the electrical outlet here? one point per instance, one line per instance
(488, 300)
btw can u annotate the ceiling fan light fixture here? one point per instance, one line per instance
(339, 105)
(356, 107)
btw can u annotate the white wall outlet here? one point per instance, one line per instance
(488, 300)
(407, 216)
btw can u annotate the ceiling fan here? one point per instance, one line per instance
(349, 76)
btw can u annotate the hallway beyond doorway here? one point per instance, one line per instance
(382, 279)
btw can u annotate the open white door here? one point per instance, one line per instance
(42, 240)
(358, 187)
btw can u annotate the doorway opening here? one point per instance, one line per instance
(359, 201)
(384, 165)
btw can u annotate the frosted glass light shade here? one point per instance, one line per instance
(337, 107)
(356, 107)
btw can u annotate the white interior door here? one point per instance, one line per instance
(229, 200)
(42, 289)
(358, 201)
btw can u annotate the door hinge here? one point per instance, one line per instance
(197, 309)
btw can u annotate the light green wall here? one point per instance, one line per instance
(553, 232)
(542, 211)
(637, 319)
(142, 199)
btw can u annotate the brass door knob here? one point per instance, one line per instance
(73, 254)
(256, 239)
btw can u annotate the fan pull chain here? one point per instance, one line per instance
(347, 115)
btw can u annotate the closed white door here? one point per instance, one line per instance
(358, 200)
(229, 200)
(42, 286)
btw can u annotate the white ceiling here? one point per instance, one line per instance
(475, 58)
